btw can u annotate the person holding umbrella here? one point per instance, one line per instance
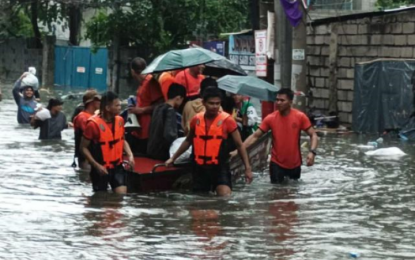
(209, 134)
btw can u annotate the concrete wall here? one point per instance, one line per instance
(16, 55)
(349, 42)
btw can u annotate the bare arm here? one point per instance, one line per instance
(145, 110)
(314, 142)
(129, 153)
(85, 151)
(244, 156)
(250, 140)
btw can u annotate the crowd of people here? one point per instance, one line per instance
(174, 104)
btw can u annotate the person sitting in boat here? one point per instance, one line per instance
(209, 132)
(163, 126)
(196, 106)
(103, 144)
(23, 94)
(91, 102)
(245, 116)
(286, 125)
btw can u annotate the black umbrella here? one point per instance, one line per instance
(223, 67)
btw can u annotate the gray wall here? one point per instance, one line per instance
(16, 55)
(357, 40)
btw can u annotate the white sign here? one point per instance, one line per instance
(298, 54)
(80, 69)
(261, 53)
(99, 70)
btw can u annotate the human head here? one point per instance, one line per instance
(28, 84)
(207, 82)
(28, 92)
(177, 94)
(196, 70)
(212, 98)
(137, 66)
(284, 100)
(55, 105)
(91, 98)
(237, 98)
(110, 104)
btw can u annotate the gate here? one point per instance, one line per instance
(78, 68)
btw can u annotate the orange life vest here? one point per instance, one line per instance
(78, 132)
(207, 142)
(109, 149)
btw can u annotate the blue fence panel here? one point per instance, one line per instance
(63, 66)
(98, 70)
(80, 68)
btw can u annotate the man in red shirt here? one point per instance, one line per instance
(286, 125)
(208, 134)
(103, 145)
(149, 95)
(166, 79)
(91, 101)
(191, 78)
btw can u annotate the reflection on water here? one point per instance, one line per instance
(347, 202)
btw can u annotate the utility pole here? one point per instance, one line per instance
(300, 61)
(115, 82)
(283, 34)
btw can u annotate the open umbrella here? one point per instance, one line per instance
(180, 59)
(249, 86)
(220, 68)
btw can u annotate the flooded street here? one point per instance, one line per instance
(346, 203)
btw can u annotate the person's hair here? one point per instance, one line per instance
(176, 90)
(207, 82)
(286, 91)
(138, 64)
(54, 102)
(211, 92)
(106, 99)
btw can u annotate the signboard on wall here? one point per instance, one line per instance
(215, 46)
(242, 51)
(261, 53)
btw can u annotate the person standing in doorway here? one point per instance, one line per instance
(286, 125)
(103, 145)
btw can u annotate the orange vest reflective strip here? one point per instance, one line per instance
(207, 142)
(112, 144)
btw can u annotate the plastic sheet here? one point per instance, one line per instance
(383, 95)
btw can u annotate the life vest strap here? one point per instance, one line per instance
(111, 143)
(209, 137)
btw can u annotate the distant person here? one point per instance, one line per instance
(209, 133)
(148, 96)
(91, 102)
(166, 79)
(191, 79)
(23, 94)
(103, 145)
(54, 123)
(196, 106)
(163, 127)
(286, 125)
(245, 116)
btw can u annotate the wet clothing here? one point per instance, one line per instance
(163, 131)
(166, 79)
(191, 83)
(286, 131)
(79, 125)
(25, 107)
(190, 110)
(208, 178)
(278, 173)
(51, 128)
(116, 177)
(107, 140)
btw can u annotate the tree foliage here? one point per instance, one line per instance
(387, 4)
(161, 25)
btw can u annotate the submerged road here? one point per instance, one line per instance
(346, 203)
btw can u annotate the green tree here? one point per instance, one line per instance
(387, 4)
(161, 25)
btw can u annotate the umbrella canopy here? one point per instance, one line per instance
(220, 68)
(180, 59)
(249, 86)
